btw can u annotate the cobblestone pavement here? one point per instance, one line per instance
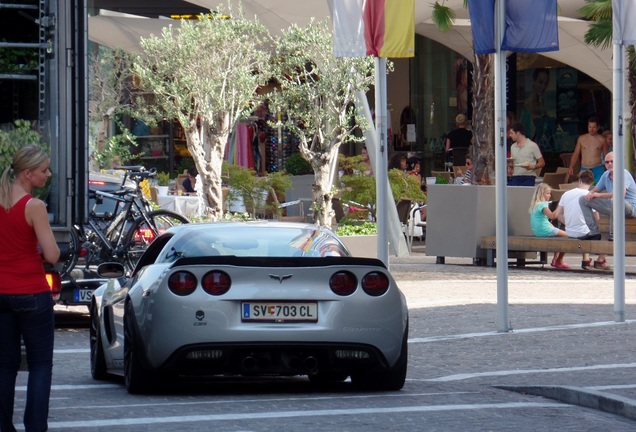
(565, 341)
(566, 364)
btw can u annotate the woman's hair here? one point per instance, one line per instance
(537, 197)
(26, 158)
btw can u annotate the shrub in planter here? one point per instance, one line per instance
(297, 165)
(357, 228)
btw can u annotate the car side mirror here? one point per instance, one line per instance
(111, 270)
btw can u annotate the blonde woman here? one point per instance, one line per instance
(26, 304)
(540, 216)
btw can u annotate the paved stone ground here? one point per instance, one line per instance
(564, 330)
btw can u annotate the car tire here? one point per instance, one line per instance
(137, 379)
(98, 361)
(392, 379)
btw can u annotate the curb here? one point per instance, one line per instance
(580, 396)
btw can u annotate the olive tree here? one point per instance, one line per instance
(317, 93)
(205, 74)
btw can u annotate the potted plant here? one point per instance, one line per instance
(163, 180)
(258, 195)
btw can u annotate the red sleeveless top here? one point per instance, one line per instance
(21, 266)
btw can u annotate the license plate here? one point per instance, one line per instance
(280, 311)
(82, 295)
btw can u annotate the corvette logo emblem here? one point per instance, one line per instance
(280, 279)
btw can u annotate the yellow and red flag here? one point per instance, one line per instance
(382, 28)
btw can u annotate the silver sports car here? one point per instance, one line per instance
(250, 299)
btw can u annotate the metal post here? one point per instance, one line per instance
(619, 182)
(501, 231)
(380, 168)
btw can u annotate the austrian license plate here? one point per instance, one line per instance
(280, 311)
(82, 295)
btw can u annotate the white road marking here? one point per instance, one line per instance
(612, 387)
(465, 376)
(292, 414)
(264, 400)
(526, 330)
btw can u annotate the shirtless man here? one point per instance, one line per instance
(591, 148)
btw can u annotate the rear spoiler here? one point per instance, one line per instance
(279, 261)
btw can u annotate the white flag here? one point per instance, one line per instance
(348, 28)
(624, 17)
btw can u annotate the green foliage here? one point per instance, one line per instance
(110, 78)
(443, 17)
(16, 137)
(12, 140)
(356, 228)
(163, 178)
(405, 186)
(184, 164)
(319, 86)
(204, 68)
(205, 74)
(116, 150)
(252, 189)
(296, 164)
(18, 60)
(441, 180)
(316, 94)
(360, 189)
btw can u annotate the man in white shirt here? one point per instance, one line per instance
(527, 157)
(569, 213)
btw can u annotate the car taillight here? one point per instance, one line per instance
(182, 283)
(55, 283)
(216, 282)
(144, 235)
(96, 183)
(343, 283)
(375, 283)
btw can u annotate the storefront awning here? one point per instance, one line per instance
(126, 31)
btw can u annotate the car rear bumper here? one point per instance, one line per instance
(272, 359)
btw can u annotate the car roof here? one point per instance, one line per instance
(247, 224)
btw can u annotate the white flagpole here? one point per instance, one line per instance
(619, 180)
(501, 189)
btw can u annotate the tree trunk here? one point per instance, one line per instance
(322, 163)
(207, 148)
(483, 120)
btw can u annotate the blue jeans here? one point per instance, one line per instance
(29, 316)
(521, 180)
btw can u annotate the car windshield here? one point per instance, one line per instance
(254, 242)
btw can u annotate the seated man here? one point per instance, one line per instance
(600, 198)
(188, 184)
(569, 213)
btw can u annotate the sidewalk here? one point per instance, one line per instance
(565, 342)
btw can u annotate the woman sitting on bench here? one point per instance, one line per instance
(540, 216)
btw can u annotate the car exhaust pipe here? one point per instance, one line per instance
(311, 364)
(249, 363)
(263, 362)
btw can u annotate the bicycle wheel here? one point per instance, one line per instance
(141, 234)
(70, 252)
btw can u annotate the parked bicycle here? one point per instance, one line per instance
(123, 234)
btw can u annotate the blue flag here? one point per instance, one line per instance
(530, 26)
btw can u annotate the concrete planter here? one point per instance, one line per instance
(362, 245)
(302, 190)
